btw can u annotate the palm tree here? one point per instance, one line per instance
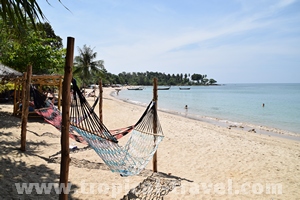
(18, 13)
(86, 68)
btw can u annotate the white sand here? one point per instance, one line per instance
(208, 161)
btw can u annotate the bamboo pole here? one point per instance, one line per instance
(100, 100)
(25, 106)
(65, 151)
(155, 122)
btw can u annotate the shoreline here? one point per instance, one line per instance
(244, 126)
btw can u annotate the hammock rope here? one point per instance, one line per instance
(53, 116)
(127, 160)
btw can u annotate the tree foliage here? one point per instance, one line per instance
(48, 33)
(197, 77)
(42, 49)
(86, 67)
(18, 14)
(146, 78)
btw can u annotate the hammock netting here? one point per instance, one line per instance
(127, 160)
(53, 116)
(86, 127)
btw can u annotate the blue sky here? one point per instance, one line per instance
(232, 41)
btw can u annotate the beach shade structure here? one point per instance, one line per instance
(127, 160)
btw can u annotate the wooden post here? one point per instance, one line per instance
(155, 122)
(25, 106)
(19, 96)
(100, 100)
(15, 95)
(23, 97)
(65, 151)
(59, 93)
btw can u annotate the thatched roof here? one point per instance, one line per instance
(7, 71)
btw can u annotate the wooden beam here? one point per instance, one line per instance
(65, 151)
(155, 122)
(25, 107)
(41, 80)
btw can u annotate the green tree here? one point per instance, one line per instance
(204, 81)
(34, 48)
(196, 77)
(212, 81)
(48, 32)
(86, 68)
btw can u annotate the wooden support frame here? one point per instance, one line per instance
(40, 81)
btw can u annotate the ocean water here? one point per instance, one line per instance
(236, 103)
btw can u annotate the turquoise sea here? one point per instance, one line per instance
(234, 103)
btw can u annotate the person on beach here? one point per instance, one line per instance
(186, 107)
(51, 96)
(92, 94)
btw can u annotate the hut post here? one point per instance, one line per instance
(65, 151)
(25, 106)
(15, 93)
(19, 96)
(100, 100)
(155, 122)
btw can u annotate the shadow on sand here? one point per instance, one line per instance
(15, 172)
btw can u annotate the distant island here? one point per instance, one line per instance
(146, 78)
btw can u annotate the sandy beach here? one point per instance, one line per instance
(196, 160)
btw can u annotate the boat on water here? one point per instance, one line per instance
(163, 88)
(135, 88)
(184, 88)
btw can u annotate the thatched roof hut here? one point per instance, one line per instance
(8, 74)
